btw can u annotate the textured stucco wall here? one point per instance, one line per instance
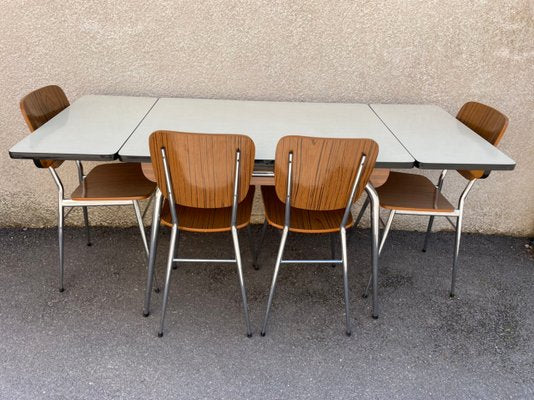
(419, 51)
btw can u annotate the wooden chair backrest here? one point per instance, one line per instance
(202, 166)
(40, 106)
(324, 170)
(488, 123)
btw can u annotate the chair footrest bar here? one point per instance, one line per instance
(311, 261)
(428, 213)
(93, 203)
(202, 260)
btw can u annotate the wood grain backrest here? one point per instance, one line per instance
(202, 166)
(38, 107)
(488, 123)
(324, 170)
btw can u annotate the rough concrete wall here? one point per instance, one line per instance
(420, 51)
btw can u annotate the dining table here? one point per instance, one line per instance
(107, 128)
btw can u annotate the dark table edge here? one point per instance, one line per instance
(401, 165)
(126, 158)
(48, 156)
(492, 167)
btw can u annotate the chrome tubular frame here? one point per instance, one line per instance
(61, 218)
(158, 201)
(458, 235)
(343, 235)
(362, 211)
(375, 214)
(457, 213)
(148, 205)
(69, 203)
(81, 179)
(141, 225)
(439, 186)
(235, 239)
(174, 240)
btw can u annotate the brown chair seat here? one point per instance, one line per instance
(120, 181)
(412, 192)
(303, 221)
(209, 219)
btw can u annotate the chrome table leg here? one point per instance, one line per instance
(348, 329)
(456, 251)
(153, 251)
(275, 276)
(382, 241)
(235, 240)
(61, 222)
(174, 235)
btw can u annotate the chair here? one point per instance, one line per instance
(410, 194)
(105, 185)
(205, 181)
(316, 182)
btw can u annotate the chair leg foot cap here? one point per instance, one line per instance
(89, 244)
(61, 290)
(424, 250)
(452, 295)
(262, 334)
(175, 266)
(160, 334)
(348, 333)
(256, 267)
(249, 335)
(156, 290)
(375, 316)
(365, 295)
(146, 314)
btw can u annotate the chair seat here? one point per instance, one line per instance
(116, 181)
(209, 219)
(302, 221)
(412, 192)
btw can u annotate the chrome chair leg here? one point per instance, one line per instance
(141, 225)
(151, 271)
(172, 244)
(81, 178)
(428, 230)
(456, 251)
(333, 247)
(375, 216)
(150, 199)
(362, 211)
(235, 239)
(348, 329)
(275, 276)
(139, 217)
(61, 222)
(253, 249)
(384, 237)
(87, 229)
